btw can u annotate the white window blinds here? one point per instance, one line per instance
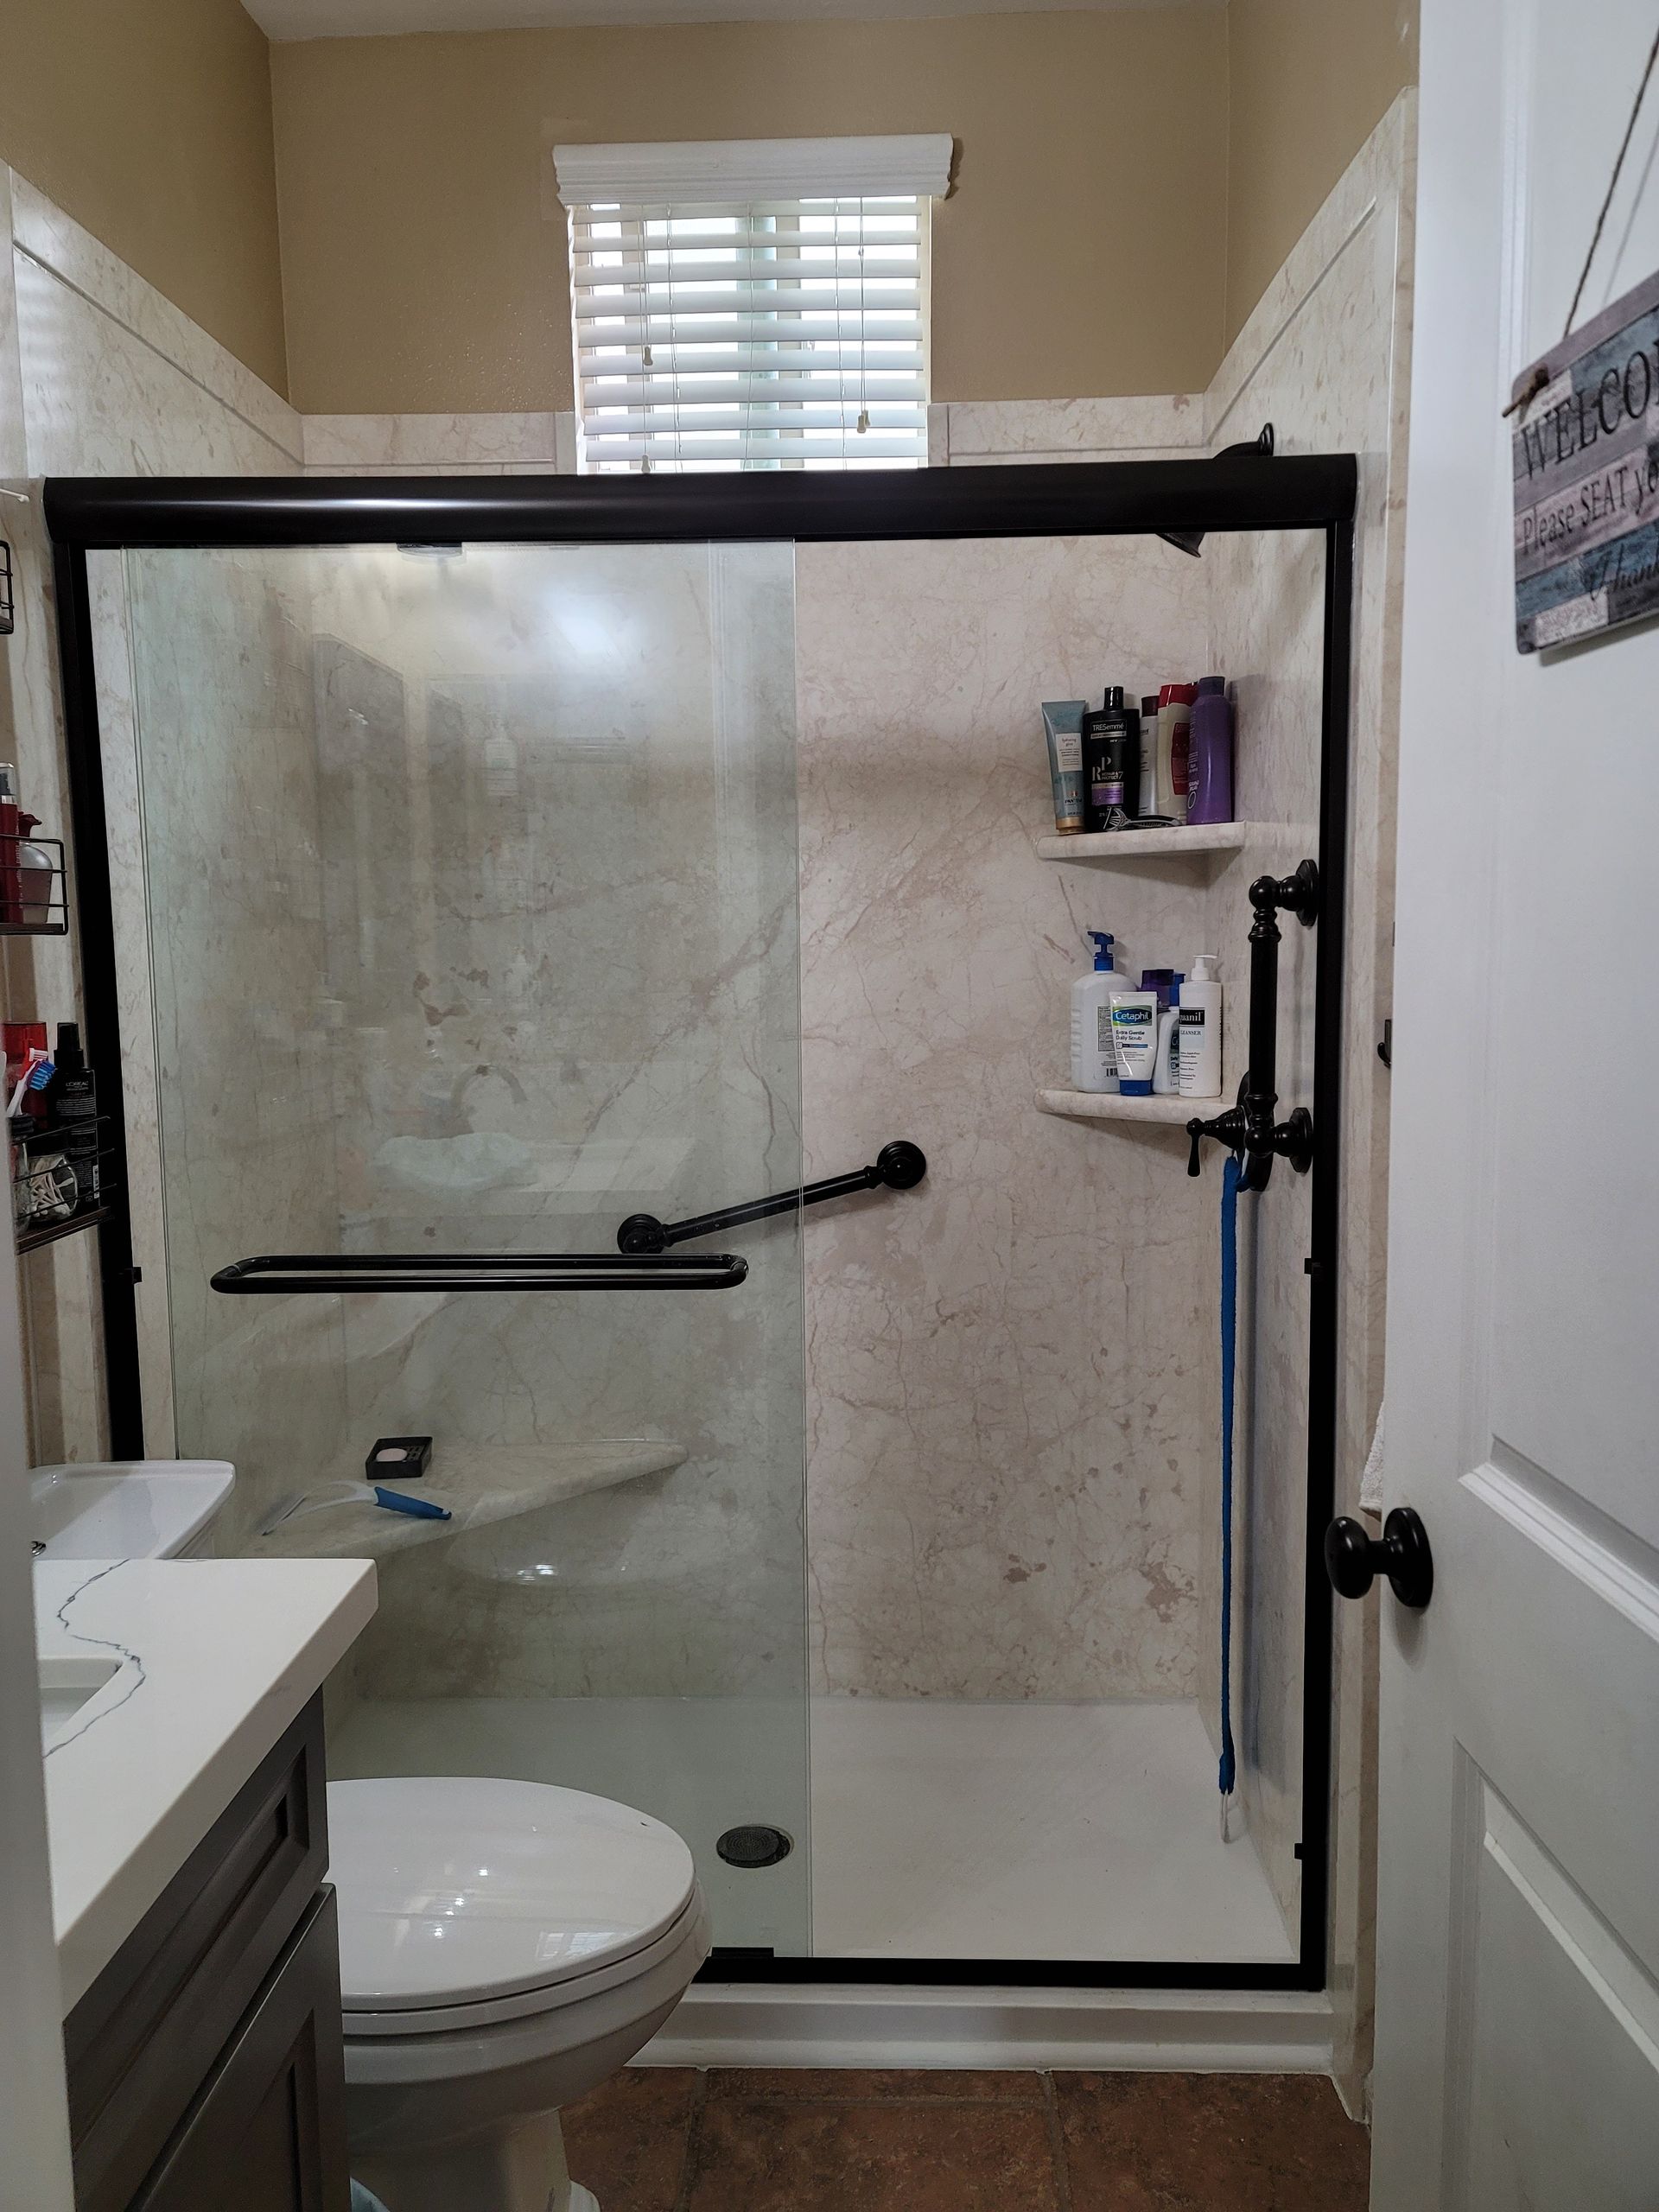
(750, 330)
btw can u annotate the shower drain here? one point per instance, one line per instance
(755, 1845)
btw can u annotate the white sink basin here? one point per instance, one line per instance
(126, 1509)
(65, 1686)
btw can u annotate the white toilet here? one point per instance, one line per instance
(504, 1947)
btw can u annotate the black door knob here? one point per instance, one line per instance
(1354, 1558)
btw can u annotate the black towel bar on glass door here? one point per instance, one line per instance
(278, 1275)
(897, 1166)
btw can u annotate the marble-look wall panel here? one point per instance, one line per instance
(230, 796)
(1003, 430)
(1325, 357)
(129, 902)
(99, 400)
(42, 234)
(559, 877)
(1267, 640)
(1010, 1374)
(98, 371)
(57, 1288)
(489, 444)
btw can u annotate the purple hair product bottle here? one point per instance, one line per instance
(1210, 761)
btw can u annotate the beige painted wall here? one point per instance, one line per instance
(150, 122)
(424, 251)
(1183, 150)
(1308, 81)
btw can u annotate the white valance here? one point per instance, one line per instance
(723, 170)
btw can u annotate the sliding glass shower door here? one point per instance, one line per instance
(471, 889)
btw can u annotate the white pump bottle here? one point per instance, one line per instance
(1200, 1030)
(1093, 1066)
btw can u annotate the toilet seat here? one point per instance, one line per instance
(466, 1902)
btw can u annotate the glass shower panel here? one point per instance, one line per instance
(473, 912)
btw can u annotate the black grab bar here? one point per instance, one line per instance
(897, 1166)
(1249, 1127)
(274, 1275)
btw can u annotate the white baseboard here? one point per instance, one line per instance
(1123, 2031)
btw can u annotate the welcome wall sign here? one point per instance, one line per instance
(1586, 422)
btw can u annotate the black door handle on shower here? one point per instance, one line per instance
(897, 1166)
(1354, 1558)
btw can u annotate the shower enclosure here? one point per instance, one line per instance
(441, 891)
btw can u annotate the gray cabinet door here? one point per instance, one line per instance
(267, 2131)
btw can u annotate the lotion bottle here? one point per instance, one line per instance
(1200, 1030)
(1167, 1072)
(1093, 1067)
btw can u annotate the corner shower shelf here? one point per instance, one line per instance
(1154, 844)
(479, 1483)
(51, 1232)
(1110, 1106)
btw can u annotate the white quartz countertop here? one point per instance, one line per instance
(216, 1658)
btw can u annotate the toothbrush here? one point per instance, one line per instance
(317, 1501)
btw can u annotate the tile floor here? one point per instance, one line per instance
(742, 2140)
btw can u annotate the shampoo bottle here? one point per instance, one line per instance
(1200, 1030)
(1110, 763)
(1147, 797)
(1093, 1067)
(1210, 760)
(1174, 736)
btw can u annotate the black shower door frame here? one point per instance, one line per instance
(1235, 492)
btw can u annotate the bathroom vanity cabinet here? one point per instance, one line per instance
(204, 2064)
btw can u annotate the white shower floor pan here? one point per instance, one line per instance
(939, 1830)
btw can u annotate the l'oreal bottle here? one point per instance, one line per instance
(1093, 1067)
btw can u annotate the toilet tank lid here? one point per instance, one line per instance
(453, 1890)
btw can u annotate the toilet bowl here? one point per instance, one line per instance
(504, 1947)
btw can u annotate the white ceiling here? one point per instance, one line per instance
(297, 19)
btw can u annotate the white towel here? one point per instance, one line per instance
(1371, 1482)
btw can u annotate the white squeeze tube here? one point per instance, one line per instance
(1200, 1030)
(1134, 1041)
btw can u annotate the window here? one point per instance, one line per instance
(755, 305)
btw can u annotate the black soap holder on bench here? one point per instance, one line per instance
(398, 1458)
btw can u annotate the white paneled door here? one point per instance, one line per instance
(1518, 1943)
